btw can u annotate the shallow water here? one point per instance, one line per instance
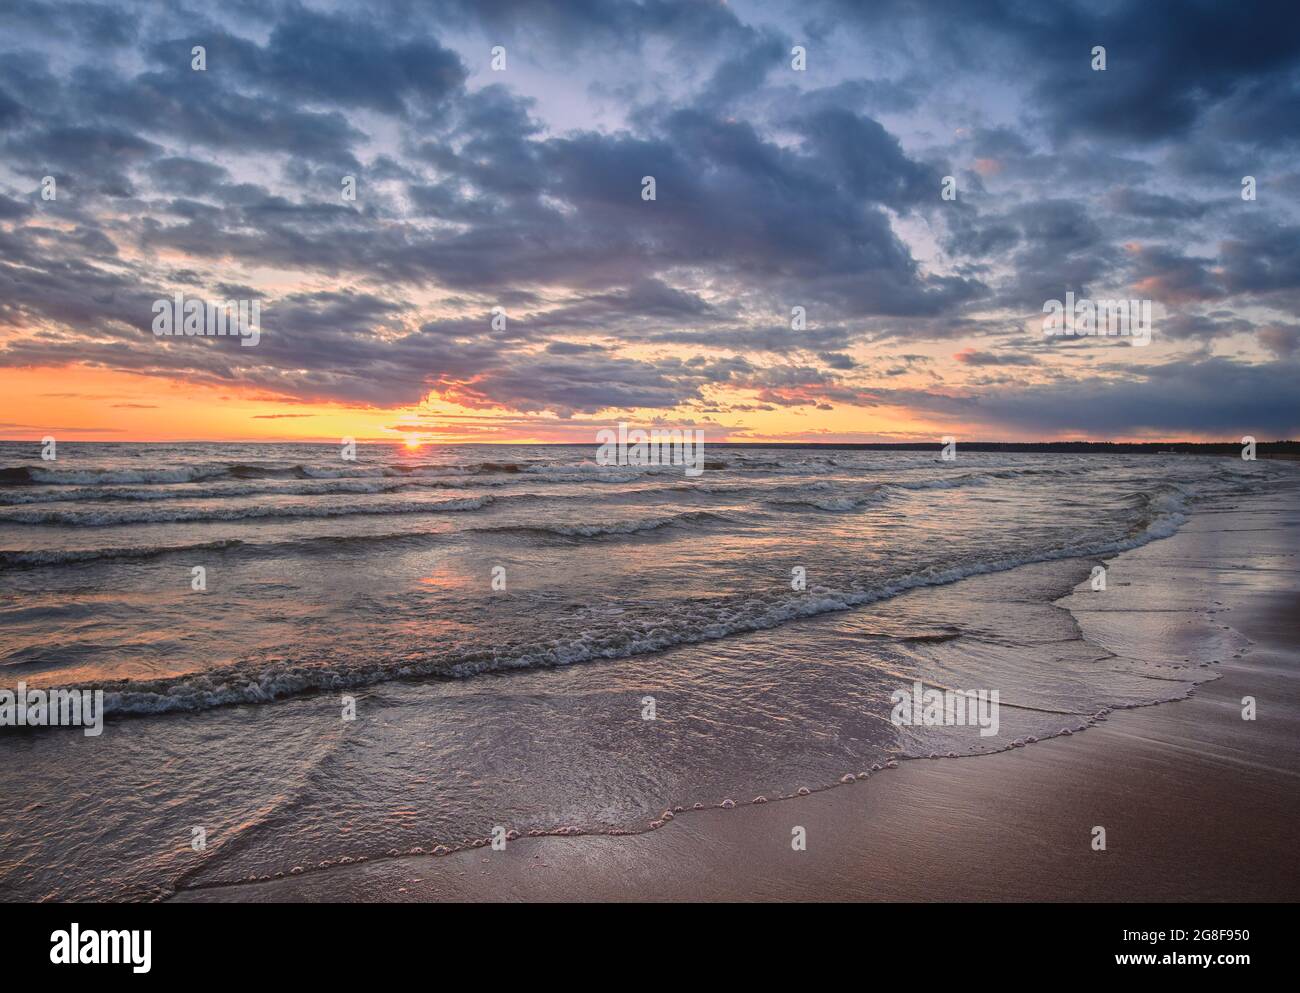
(374, 579)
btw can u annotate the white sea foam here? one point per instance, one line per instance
(250, 684)
(612, 528)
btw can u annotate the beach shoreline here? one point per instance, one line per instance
(1197, 803)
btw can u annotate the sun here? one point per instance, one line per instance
(413, 443)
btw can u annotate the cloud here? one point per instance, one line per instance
(1215, 396)
(969, 356)
(775, 189)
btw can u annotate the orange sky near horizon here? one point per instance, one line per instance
(80, 403)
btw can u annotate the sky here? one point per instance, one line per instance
(499, 151)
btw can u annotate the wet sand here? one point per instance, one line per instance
(1197, 803)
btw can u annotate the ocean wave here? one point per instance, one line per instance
(231, 490)
(604, 530)
(15, 479)
(255, 681)
(41, 557)
(592, 472)
(831, 503)
(72, 556)
(175, 515)
(874, 492)
(946, 482)
(379, 471)
(1163, 510)
(34, 484)
(44, 475)
(715, 489)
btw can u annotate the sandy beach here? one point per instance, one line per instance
(1197, 803)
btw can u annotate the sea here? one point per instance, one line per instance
(309, 660)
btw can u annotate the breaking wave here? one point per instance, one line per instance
(255, 681)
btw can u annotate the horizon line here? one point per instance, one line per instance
(427, 442)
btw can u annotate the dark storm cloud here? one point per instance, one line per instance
(1155, 206)
(11, 209)
(1188, 326)
(189, 177)
(763, 214)
(837, 360)
(1167, 275)
(200, 107)
(85, 157)
(1266, 261)
(970, 356)
(1168, 65)
(1283, 340)
(337, 59)
(778, 339)
(743, 72)
(775, 189)
(345, 61)
(104, 24)
(1214, 396)
(689, 26)
(865, 159)
(11, 111)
